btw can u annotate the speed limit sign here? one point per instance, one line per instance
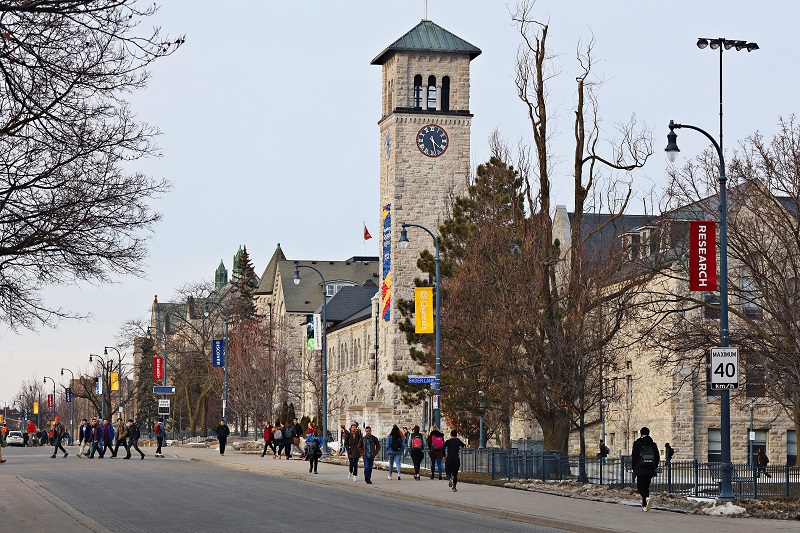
(724, 368)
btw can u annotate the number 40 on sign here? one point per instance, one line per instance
(724, 368)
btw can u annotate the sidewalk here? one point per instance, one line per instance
(571, 514)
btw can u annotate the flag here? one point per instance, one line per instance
(367, 236)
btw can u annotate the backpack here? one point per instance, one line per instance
(416, 442)
(647, 457)
(396, 444)
(134, 432)
(158, 428)
(290, 432)
(277, 434)
(437, 442)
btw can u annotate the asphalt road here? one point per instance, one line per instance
(176, 495)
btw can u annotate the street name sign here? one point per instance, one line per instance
(160, 389)
(724, 368)
(421, 380)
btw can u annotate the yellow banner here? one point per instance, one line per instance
(423, 309)
(114, 380)
(36, 408)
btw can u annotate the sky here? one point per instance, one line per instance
(269, 115)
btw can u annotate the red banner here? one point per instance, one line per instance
(702, 255)
(158, 368)
(51, 401)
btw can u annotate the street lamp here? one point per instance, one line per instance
(437, 321)
(164, 336)
(102, 388)
(119, 377)
(225, 354)
(726, 488)
(54, 393)
(297, 268)
(71, 403)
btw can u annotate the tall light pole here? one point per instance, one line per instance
(54, 394)
(164, 336)
(119, 378)
(297, 268)
(726, 488)
(71, 403)
(438, 319)
(102, 388)
(225, 356)
(480, 426)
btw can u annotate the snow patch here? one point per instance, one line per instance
(727, 509)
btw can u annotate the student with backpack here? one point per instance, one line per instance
(395, 444)
(416, 447)
(645, 459)
(159, 430)
(436, 450)
(134, 434)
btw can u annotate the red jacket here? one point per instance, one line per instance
(31, 426)
(267, 434)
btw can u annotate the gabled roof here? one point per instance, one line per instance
(267, 282)
(428, 37)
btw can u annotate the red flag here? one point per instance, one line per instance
(367, 236)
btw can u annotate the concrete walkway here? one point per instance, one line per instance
(571, 514)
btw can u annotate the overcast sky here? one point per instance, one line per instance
(269, 119)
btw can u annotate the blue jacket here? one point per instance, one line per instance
(311, 438)
(389, 449)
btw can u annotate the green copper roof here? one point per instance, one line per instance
(428, 37)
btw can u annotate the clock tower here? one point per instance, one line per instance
(424, 164)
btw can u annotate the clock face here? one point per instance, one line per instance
(432, 140)
(388, 144)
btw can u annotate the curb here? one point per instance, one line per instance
(82, 519)
(484, 511)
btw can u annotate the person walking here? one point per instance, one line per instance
(313, 450)
(3, 442)
(277, 439)
(222, 435)
(133, 438)
(761, 463)
(669, 451)
(368, 447)
(342, 436)
(645, 459)
(351, 445)
(268, 439)
(436, 450)
(604, 450)
(58, 434)
(122, 438)
(160, 432)
(395, 444)
(452, 462)
(298, 433)
(84, 438)
(108, 436)
(416, 447)
(288, 438)
(31, 433)
(97, 439)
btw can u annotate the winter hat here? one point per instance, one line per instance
(56, 419)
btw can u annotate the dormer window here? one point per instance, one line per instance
(632, 241)
(332, 287)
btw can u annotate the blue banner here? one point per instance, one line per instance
(218, 352)
(68, 395)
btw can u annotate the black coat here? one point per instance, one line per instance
(637, 447)
(223, 431)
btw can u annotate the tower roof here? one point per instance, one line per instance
(428, 37)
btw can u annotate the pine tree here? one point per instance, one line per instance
(244, 286)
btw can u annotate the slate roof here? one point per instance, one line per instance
(428, 37)
(350, 300)
(306, 297)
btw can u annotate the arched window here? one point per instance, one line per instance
(418, 91)
(445, 93)
(431, 92)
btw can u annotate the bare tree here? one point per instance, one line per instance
(70, 210)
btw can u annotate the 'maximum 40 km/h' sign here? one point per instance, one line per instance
(724, 368)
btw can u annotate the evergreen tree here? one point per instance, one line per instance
(244, 287)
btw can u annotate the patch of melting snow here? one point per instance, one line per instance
(727, 509)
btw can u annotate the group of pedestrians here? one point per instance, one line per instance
(96, 437)
(285, 439)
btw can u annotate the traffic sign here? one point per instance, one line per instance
(163, 407)
(160, 389)
(421, 380)
(724, 368)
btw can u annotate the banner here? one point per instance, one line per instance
(36, 408)
(702, 255)
(98, 386)
(386, 258)
(158, 368)
(317, 331)
(114, 380)
(423, 310)
(68, 395)
(51, 401)
(217, 352)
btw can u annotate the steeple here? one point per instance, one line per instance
(237, 265)
(221, 276)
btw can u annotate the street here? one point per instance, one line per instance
(180, 495)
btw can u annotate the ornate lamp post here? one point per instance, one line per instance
(102, 388)
(404, 244)
(225, 354)
(119, 377)
(71, 403)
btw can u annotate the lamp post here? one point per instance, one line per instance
(480, 426)
(297, 268)
(726, 488)
(119, 378)
(437, 321)
(71, 403)
(206, 313)
(751, 434)
(54, 393)
(102, 388)
(164, 336)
